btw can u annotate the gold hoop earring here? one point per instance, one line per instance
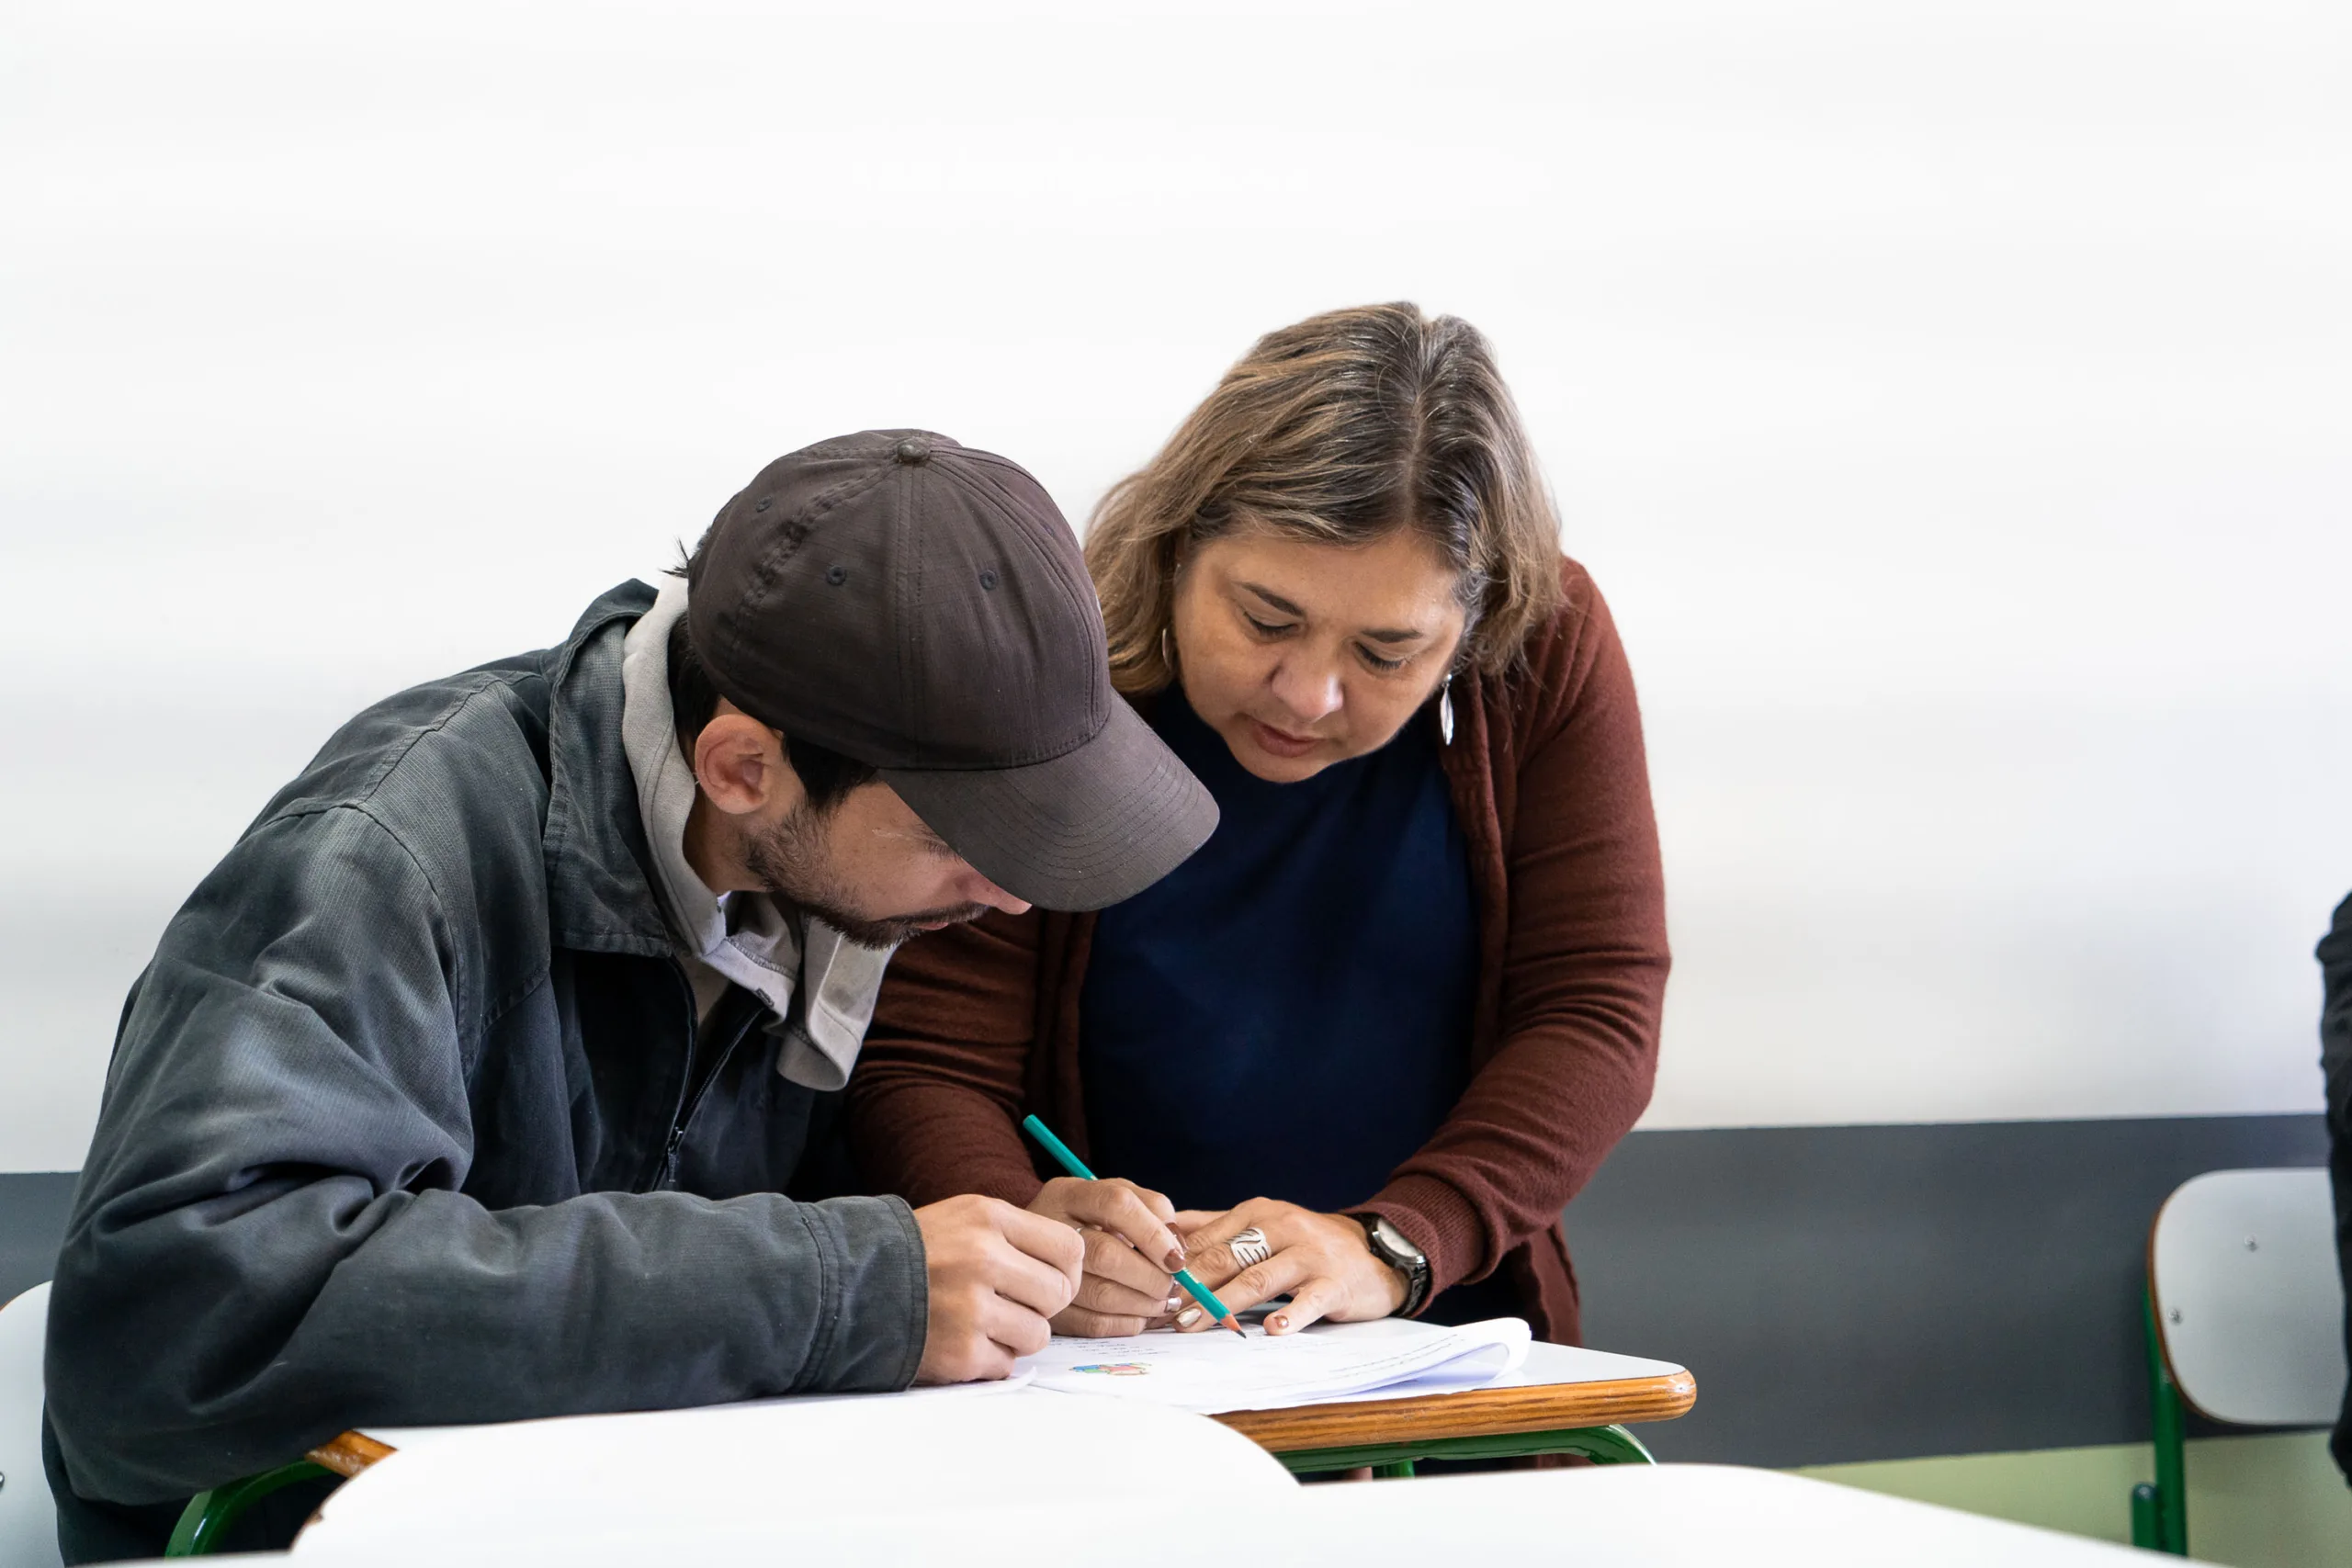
(1167, 653)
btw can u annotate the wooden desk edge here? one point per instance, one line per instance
(1475, 1413)
(349, 1454)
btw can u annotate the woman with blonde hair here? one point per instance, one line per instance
(1378, 1031)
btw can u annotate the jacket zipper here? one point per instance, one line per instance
(659, 1175)
(692, 1093)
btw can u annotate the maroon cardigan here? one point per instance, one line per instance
(977, 1025)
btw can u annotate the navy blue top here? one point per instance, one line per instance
(1287, 1013)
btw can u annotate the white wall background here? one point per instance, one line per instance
(1953, 399)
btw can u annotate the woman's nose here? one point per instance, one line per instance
(1310, 694)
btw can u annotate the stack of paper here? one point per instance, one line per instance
(1211, 1372)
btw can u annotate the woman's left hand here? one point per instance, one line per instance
(1321, 1261)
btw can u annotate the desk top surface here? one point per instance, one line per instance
(1624, 1515)
(985, 1474)
(1559, 1385)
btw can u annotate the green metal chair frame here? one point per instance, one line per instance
(2160, 1510)
(208, 1515)
(205, 1519)
(1602, 1445)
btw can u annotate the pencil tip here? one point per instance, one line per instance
(1235, 1326)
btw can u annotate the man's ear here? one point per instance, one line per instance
(739, 762)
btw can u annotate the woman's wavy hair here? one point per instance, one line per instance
(1337, 431)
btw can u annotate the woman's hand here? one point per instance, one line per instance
(1131, 1255)
(1322, 1262)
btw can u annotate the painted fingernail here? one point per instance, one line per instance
(1175, 1258)
(1188, 1317)
(1278, 1322)
(1174, 1302)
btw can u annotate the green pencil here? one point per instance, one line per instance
(1077, 1166)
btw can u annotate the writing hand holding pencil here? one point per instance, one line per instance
(1208, 1310)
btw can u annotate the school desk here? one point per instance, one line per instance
(1563, 1400)
(1614, 1517)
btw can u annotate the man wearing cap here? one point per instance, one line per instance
(470, 1084)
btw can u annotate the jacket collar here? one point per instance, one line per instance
(600, 897)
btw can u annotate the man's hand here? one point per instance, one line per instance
(1131, 1254)
(997, 1274)
(1321, 1261)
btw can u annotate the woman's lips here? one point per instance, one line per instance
(1280, 743)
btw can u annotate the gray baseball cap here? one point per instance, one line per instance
(922, 607)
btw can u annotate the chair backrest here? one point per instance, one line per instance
(28, 1517)
(2249, 1306)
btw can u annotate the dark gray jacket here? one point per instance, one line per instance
(2336, 1063)
(408, 1122)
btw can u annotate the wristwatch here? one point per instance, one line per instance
(1393, 1248)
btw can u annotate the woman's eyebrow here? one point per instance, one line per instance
(1272, 599)
(1383, 635)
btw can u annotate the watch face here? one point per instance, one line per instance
(1393, 1241)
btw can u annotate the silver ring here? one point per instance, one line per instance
(1250, 1247)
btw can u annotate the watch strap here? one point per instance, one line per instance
(1413, 1265)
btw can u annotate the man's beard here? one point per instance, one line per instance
(789, 859)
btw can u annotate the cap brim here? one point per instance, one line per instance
(1093, 827)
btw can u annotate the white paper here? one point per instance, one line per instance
(768, 1471)
(1214, 1371)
